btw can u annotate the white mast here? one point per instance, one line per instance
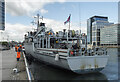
(38, 21)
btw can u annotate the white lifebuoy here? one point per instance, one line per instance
(56, 57)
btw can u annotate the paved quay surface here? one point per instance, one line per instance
(9, 63)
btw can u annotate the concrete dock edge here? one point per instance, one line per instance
(30, 76)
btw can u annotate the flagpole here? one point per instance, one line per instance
(68, 20)
(67, 35)
(69, 25)
(68, 31)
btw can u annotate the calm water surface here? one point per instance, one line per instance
(43, 71)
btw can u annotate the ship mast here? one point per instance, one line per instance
(80, 25)
(38, 16)
(38, 22)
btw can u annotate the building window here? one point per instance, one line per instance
(98, 33)
(94, 44)
(98, 38)
(98, 43)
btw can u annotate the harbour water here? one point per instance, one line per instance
(42, 71)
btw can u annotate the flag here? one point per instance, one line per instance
(68, 20)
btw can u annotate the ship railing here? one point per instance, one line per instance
(77, 52)
(73, 52)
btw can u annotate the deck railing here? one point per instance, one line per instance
(88, 52)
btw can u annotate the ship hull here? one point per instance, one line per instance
(77, 64)
(87, 64)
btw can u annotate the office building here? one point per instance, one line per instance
(110, 35)
(93, 29)
(2, 15)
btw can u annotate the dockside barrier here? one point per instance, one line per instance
(27, 69)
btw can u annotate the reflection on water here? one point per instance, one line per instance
(118, 52)
(42, 71)
(111, 70)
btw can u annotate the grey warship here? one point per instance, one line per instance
(64, 49)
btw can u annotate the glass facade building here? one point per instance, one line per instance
(96, 26)
(110, 35)
(93, 29)
(2, 15)
(89, 32)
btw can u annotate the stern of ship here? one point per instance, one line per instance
(87, 64)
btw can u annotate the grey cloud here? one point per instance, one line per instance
(24, 7)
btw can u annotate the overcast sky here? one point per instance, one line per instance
(19, 15)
